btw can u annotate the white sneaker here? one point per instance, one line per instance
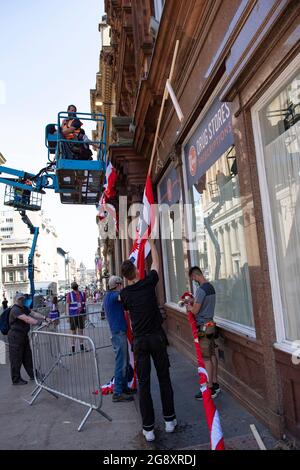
(149, 435)
(170, 425)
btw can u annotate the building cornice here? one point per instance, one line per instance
(2, 159)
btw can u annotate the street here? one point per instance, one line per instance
(52, 423)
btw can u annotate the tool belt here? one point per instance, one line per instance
(209, 329)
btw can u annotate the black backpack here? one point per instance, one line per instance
(4, 321)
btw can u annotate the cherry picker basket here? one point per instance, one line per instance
(22, 198)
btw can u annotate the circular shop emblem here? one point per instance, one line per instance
(193, 160)
(169, 189)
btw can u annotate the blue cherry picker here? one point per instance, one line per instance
(77, 181)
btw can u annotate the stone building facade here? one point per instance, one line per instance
(235, 161)
(2, 162)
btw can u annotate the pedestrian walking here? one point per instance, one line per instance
(54, 311)
(115, 314)
(203, 309)
(75, 308)
(4, 303)
(20, 319)
(139, 299)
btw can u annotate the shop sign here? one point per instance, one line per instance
(210, 140)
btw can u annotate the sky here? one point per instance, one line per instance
(49, 57)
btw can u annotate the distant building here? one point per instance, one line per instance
(47, 247)
(16, 245)
(72, 270)
(82, 275)
(91, 276)
(62, 269)
(15, 267)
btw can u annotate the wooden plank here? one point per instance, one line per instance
(258, 439)
(165, 97)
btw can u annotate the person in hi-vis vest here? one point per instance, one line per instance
(75, 308)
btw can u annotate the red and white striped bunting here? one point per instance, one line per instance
(146, 226)
(211, 413)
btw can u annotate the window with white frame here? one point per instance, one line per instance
(220, 252)
(158, 8)
(11, 277)
(10, 260)
(276, 123)
(21, 258)
(22, 276)
(215, 216)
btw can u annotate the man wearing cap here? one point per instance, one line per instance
(116, 318)
(20, 319)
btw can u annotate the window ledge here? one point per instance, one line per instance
(246, 331)
(175, 306)
(285, 346)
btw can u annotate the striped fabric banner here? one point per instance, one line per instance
(211, 413)
(141, 247)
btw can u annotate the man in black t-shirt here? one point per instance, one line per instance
(139, 299)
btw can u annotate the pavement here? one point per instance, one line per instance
(51, 423)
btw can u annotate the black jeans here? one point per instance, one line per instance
(19, 353)
(154, 346)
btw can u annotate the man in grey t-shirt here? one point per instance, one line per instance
(203, 309)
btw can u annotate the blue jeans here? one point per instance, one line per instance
(119, 342)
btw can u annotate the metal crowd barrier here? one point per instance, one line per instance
(95, 327)
(67, 365)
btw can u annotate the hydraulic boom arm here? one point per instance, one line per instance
(35, 232)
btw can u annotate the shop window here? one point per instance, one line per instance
(276, 121)
(175, 253)
(215, 216)
(218, 246)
